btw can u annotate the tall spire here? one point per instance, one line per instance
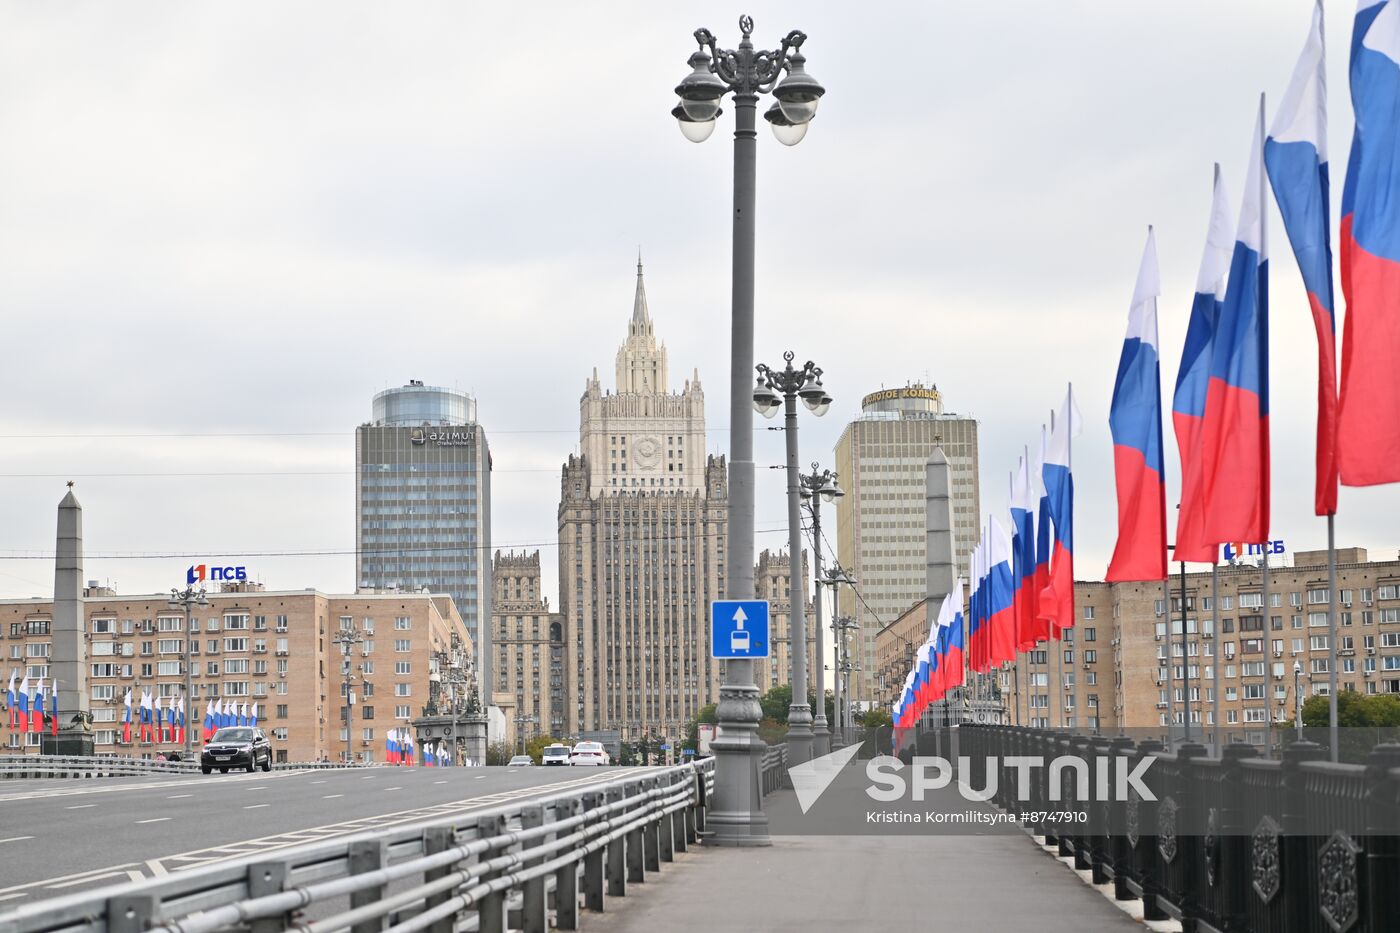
(639, 304)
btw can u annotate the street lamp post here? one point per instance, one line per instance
(187, 599)
(347, 638)
(841, 629)
(816, 486)
(781, 388)
(737, 817)
(834, 578)
(1298, 699)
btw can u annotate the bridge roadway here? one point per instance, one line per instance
(58, 837)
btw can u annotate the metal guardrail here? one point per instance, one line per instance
(468, 872)
(772, 771)
(1237, 843)
(15, 767)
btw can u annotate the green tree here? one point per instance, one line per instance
(536, 746)
(706, 714)
(874, 718)
(776, 701)
(497, 753)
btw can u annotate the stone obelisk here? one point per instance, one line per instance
(68, 664)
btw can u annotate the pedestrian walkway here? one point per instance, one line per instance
(811, 884)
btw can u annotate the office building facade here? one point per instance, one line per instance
(423, 504)
(880, 522)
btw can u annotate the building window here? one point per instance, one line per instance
(403, 667)
(402, 690)
(402, 644)
(402, 623)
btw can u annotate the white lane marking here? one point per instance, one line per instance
(16, 838)
(439, 782)
(260, 787)
(151, 785)
(367, 777)
(332, 796)
(69, 884)
(158, 819)
(157, 869)
(81, 806)
(178, 796)
(8, 892)
(318, 782)
(480, 777)
(393, 788)
(134, 875)
(256, 806)
(7, 897)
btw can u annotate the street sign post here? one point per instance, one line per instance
(739, 628)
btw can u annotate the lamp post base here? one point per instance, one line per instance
(799, 734)
(821, 737)
(736, 816)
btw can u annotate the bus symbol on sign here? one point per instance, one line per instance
(739, 628)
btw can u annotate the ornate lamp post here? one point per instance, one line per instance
(347, 638)
(835, 578)
(187, 599)
(781, 388)
(816, 486)
(737, 817)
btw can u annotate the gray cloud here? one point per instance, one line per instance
(219, 220)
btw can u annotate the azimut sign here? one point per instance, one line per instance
(423, 436)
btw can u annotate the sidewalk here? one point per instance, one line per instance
(811, 884)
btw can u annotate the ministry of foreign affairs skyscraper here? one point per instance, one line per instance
(642, 534)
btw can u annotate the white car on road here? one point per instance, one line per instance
(589, 753)
(555, 755)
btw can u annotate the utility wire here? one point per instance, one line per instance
(13, 553)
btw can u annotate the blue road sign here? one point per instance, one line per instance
(665, 746)
(739, 628)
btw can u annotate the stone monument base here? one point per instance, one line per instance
(68, 742)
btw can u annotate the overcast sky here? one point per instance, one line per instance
(224, 228)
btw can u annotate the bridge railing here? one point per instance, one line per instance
(1236, 842)
(475, 871)
(772, 770)
(14, 767)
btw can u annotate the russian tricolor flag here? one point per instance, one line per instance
(1043, 544)
(1023, 504)
(1235, 436)
(1368, 415)
(999, 605)
(1135, 419)
(950, 625)
(208, 719)
(36, 713)
(23, 698)
(10, 701)
(1193, 378)
(126, 719)
(1295, 155)
(53, 708)
(1057, 599)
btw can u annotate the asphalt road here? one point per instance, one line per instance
(60, 837)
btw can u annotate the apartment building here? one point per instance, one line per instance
(272, 648)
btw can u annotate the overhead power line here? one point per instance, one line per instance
(24, 554)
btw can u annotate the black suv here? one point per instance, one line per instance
(236, 747)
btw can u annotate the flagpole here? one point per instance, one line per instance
(1185, 661)
(1057, 695)
(1332, 634)
(1215, 655)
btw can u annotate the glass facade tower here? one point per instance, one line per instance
(423, 504)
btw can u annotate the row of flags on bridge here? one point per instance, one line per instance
(1022, 580)
(1220, 408)
(1022, 583)
(26, 706)
(400, 749)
